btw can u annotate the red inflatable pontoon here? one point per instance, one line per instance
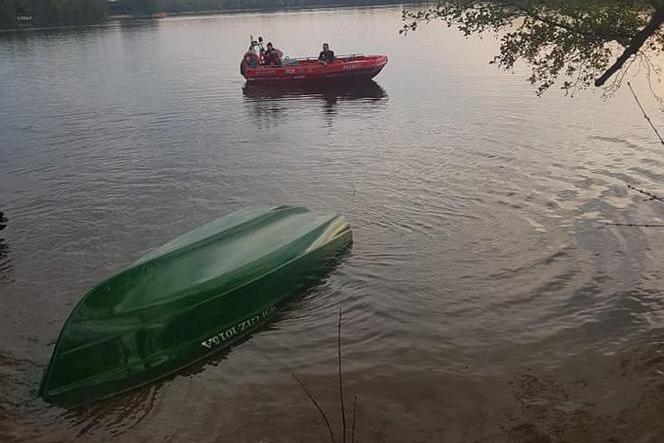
(344, 68)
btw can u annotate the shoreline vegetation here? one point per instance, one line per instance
(30, 14)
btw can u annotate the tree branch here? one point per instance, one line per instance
(634, 46)
(555, 23)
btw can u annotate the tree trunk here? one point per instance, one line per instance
(636, 43)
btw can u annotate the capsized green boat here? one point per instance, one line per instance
(188, 299)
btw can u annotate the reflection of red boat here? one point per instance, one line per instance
(344, 68)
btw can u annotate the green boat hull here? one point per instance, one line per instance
(188, 299)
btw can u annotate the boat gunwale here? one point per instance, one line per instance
(277, 73)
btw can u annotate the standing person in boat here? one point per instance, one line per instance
(272, 56)
(250, 60)
(326, 55)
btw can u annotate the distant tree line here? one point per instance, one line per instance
(211, 5)
(174, 6)
(52, 12)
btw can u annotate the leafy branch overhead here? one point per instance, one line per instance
(576, 43)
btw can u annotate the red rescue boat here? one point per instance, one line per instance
(310, 70)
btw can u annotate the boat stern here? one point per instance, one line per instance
(84, 372)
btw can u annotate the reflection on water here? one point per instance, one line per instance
(116, 415)
(5, 261)
(270, 101)
(331, 94)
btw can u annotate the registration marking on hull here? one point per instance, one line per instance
(237, 329)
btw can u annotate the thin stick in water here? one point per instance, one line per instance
(313, 400)
(645, 115)
(341, 383)
(649, 194)
(352, 435)
(634, 225)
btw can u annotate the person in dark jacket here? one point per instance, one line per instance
(326, 55)
(272, 56)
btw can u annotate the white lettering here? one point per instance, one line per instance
(242, 326)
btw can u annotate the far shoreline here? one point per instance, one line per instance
(268, 9)
(156, 16)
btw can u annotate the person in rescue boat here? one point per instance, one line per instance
(250, 60)
(272, 56)
(326, 55)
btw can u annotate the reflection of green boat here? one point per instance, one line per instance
(188, 299)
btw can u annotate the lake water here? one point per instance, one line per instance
(483, 299)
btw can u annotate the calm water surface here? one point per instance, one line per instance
(483, 299)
